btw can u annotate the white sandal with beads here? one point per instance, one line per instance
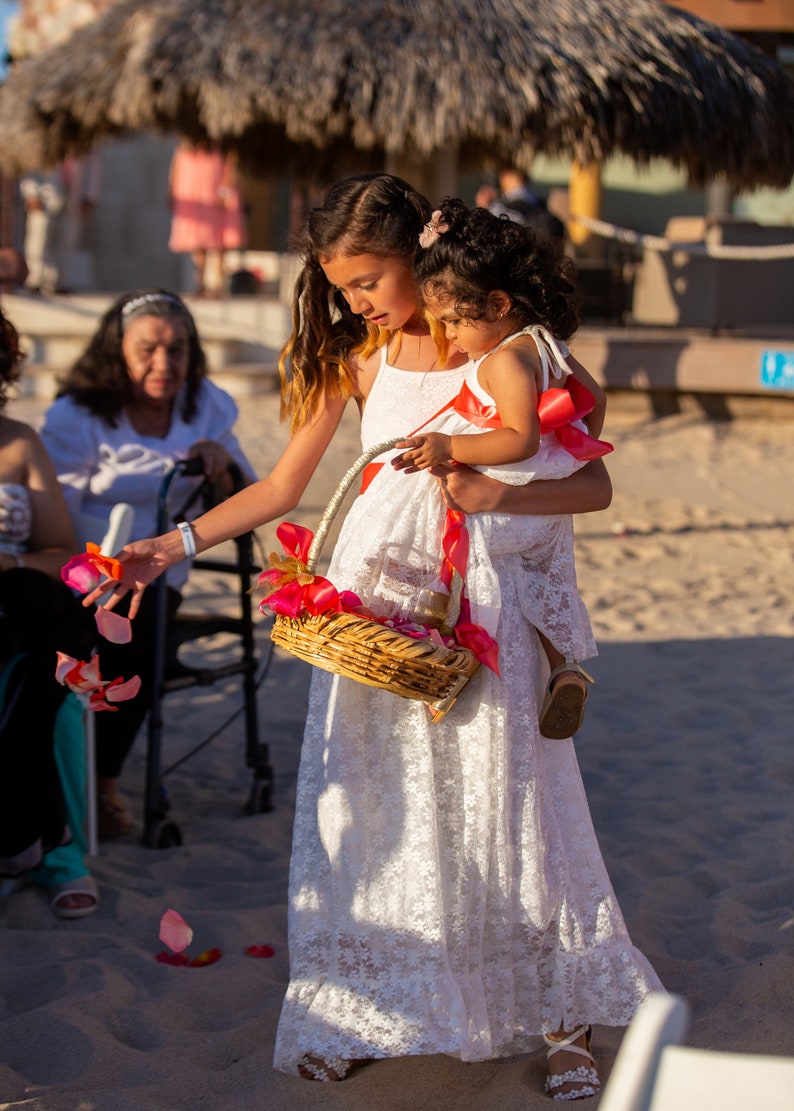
(583, 1075)
(323, 1069)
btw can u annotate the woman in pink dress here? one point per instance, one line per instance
(206, 208)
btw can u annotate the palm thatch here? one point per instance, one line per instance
(296, 84)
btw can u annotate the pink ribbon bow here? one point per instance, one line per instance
(436, 226)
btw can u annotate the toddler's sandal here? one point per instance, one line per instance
(562, 713)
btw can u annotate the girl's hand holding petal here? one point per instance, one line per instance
(141, 563)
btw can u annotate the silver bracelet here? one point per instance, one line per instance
(188, 539)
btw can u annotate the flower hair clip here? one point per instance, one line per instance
(437, 226)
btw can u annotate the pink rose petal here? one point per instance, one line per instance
(175, 932)
(80, 574)
(112, 626)
(96, 702)
(77, 675)
(63, 666)
(120, 690)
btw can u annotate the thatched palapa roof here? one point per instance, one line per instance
(298, 82)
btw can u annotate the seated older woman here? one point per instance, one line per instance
(136, 401)
(42, 753)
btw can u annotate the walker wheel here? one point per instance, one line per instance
(260, 800)
(165, 835)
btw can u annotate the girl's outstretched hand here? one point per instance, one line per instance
(141, 563)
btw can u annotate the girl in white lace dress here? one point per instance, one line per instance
(447, 892)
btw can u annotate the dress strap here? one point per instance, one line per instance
(551, 351)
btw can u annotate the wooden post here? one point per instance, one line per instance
(584, 199)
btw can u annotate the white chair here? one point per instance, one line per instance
(111, 533)
(654, 1073)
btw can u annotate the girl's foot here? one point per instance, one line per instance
(562, 713)
(571, 1068)
(325, 1070)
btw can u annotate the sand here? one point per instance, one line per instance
(686, 755)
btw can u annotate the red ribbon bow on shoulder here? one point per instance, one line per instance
(559, 407)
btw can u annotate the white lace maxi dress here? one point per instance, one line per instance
(447, 892)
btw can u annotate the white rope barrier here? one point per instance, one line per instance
(661, 243)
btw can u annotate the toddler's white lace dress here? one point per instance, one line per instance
(447, 892)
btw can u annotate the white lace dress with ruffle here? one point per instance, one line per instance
(447, 892)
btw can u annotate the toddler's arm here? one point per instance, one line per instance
(511, 380)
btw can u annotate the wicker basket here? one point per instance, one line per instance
(366, 651)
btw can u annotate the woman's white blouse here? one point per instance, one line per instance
(99, 465)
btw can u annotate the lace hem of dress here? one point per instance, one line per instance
(359, 1016)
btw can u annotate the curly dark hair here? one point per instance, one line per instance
(99, 381)
(481, 253)
(11, 357)
(365, 214)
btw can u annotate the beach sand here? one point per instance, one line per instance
(686, 756)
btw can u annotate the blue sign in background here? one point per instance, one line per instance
(777, 370)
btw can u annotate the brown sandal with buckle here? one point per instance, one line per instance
(562, 712)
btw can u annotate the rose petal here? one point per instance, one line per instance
(96, 702)
(173, 958)
(209, 956)
(63, 665)
(260, 951)
(121, 690)
(106, 565)
(85, 571)
(77, 675)
(89, 672)
(174, 931)
(112, 626)
(80, 574)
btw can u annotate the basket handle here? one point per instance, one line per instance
(339, 496)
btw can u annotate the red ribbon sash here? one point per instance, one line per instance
(475, 411)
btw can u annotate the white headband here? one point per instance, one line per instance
(139, 306)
